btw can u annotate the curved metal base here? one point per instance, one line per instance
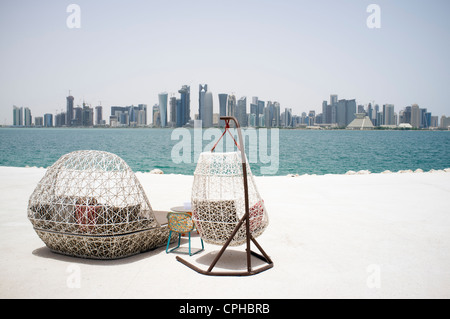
(249, 272)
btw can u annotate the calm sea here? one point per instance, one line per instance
(300, 151)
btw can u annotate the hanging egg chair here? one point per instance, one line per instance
(218, 201)
(226, 206)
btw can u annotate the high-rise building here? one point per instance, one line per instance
(427, 120)
(185, 106)
(287, 117)
(27, 116)
(142, 108)
(207, 112)
(69, 110)
(415, 116)
(423, 121)
(260, 114)
(370, 111)
(406, 115)
(445, 122)
(276, 114)
(350, 109)
(17, 116)
(99, 115)
(163, 108)
(345, 112)
(326, 112)
(241, 111)
(48, 120)
(173, 110)
(253, 116)
(341, 113)
(179, 114)
(77, 119)
(156, 116)
(223, 98)
(333, 99)
(231, 108)
(333, 108)
(87, 115)
(203, 88)
(267, 117)
(434, 121)
(38, 121)
(361, 109)
(270, 117)
(60, 119)
(311, 118)
(388, 114)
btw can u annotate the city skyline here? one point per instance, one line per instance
(336, 113)
(295, 52)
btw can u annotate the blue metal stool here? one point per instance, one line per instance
(181, 223)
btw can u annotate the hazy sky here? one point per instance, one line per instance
(294, 52)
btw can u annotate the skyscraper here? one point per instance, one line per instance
(17, 116)
(185, 106)
(276, 114)
(231, 108)
(69, 110)
(87, 116)
(350, 109)
(345, 112)
(370, 111)
(287, 120)
(173, 110)
(156, 116)
(333, 108)
(415, 116)
(27, 116)
(333, 99)
(388, 114)
(201, 98)
(423, 123)
(48, 120)
(253, 116)
(427, 120)
(260, 113)
(222, 107)
(77, 119)
(326, 113)
(207, 112)
(267, 117)
(241, 111)
(341, 113)
(99, 115)
(143, 114)
(163, 108)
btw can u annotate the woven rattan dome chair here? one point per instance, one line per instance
(90, 204)
(226, 205)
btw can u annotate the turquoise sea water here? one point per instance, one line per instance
(300, 151)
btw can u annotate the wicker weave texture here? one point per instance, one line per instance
(218, 200)
(91, 204)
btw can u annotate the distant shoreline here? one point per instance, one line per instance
(378, 128)
(348, 173)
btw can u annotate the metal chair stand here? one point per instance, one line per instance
(246, 218)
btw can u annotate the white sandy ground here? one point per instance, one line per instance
(332, 236)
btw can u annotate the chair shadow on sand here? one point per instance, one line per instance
(232, 259)
(45, 252)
